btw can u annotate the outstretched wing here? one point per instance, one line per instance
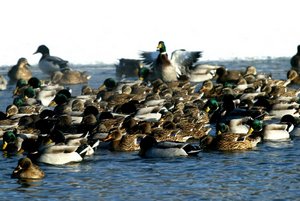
(183, 60)
(149, 58)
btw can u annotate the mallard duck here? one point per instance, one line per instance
(20, 71)
(128, 68)
(277, 131)
(49, 64)
(292, 120)
(78, 139)
(11, 110)
(294, 76)
(69, 77)
(123, 142)
(61, 104)
(21, 85)
(295, 60)
(227, 141)
(3, 83)
(202, 72)
(179, 65)
(225, 75)
(240, 125)
(58, 154)
(150, 148)
(27, 170)
(14, 143)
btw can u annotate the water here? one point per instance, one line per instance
(269, 172)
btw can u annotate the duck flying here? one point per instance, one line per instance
(49, 64)
(179, 66)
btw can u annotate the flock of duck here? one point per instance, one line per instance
(175, 108)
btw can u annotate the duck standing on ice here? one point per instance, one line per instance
(49, 64)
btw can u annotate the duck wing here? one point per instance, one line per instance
(150, 58)
(183, 60)
(187, 147)
(57, 61)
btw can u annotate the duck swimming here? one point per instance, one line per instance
(49, 64)
(27, 170)
(150, 148)
(179, 65)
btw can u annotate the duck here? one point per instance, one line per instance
(179, 65)
(20, 71)
(75, 139)
(26, 169)
(202, 72)
(150, 148)
(120, 142)
(290, 119)
(295, 61)
(294, 75)
(14, 143)
(230, 76)
(278, 131)
(57, 154)
(3, 83)
(49, 64)
(228, 141)
(128, 67)
(68, 76)
(239, 125)
(61, 104)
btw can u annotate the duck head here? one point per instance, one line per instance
(221, 128)
(59, 99)
(255, 126)
(211, 105)
(11, 110)
(144, 73)
(23, 62)
(34, 82)
(161, 47)
(109, 84)
(29, 92)
(9, 137)
(43, 49)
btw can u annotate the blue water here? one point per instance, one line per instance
(269, 172)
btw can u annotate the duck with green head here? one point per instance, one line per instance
(179, 65)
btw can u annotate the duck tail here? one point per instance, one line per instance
(83, 149)
(192, 150)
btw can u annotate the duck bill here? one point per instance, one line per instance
(158, 47)
(15, 92)
(4, 145)
(52, 104)
(207, 109)
(108, 138)
(17, 169)
(102, 87)
(250, 131)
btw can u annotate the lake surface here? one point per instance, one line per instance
(269, 172)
